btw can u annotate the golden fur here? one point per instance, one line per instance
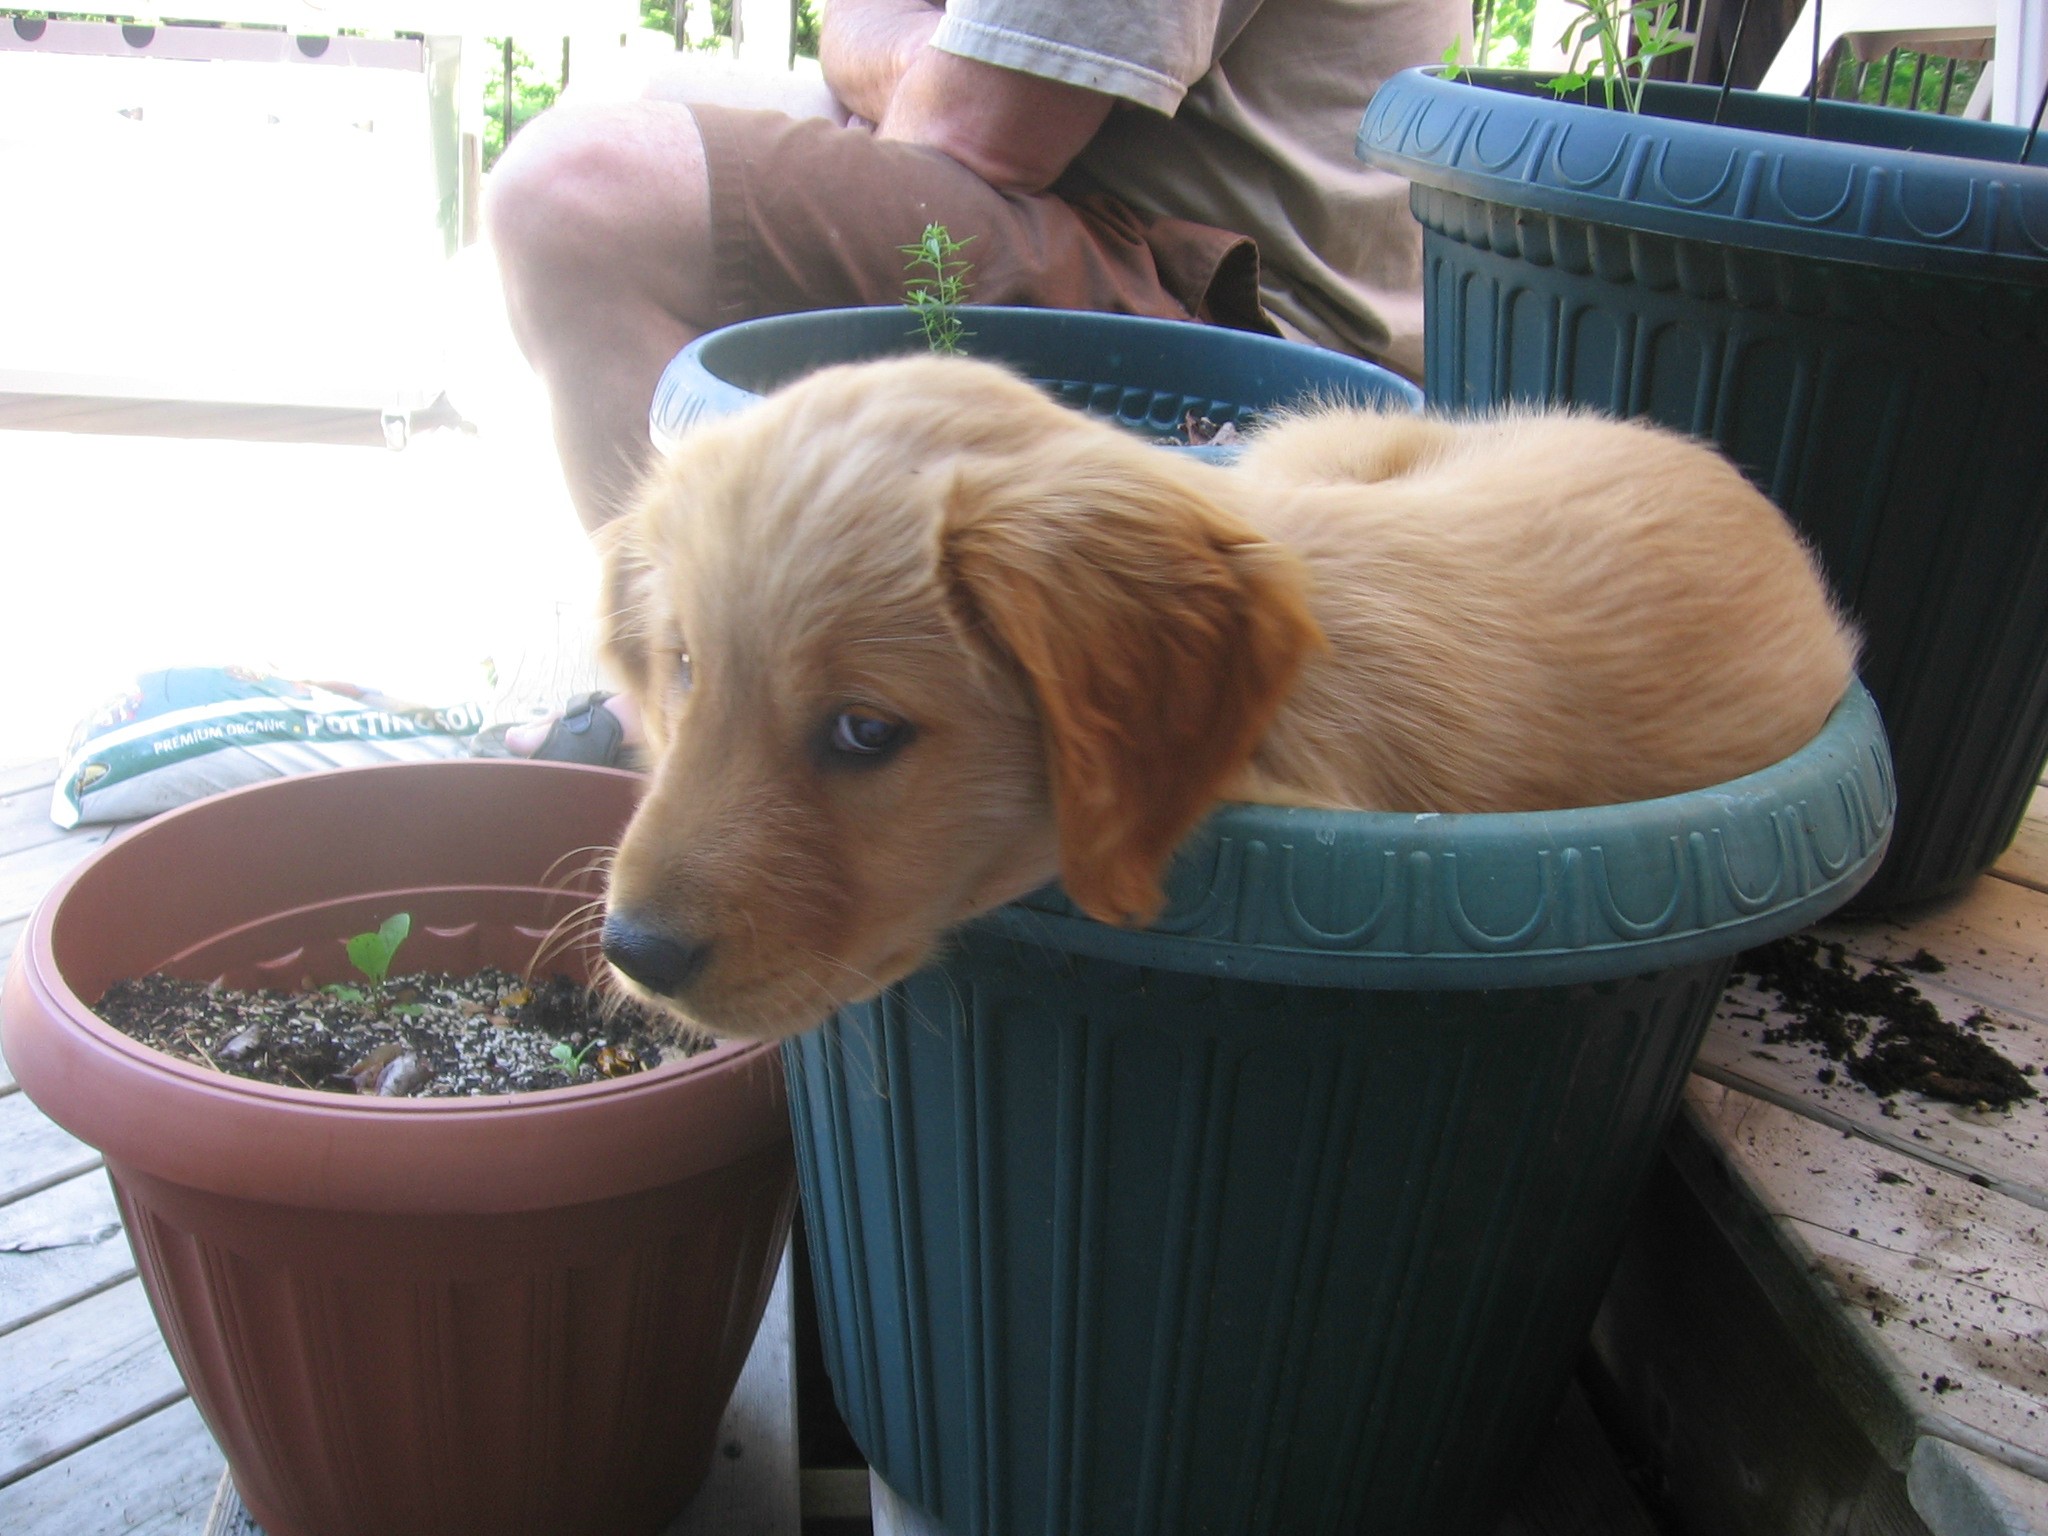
(1091, 641)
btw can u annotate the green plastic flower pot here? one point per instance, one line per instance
(1147, 374)
(1859, 318)
(1290, 1213)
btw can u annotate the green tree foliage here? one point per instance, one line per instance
(535, 87)
(532, 93)
(1505, 28)
(661, 16)
(1912, 80)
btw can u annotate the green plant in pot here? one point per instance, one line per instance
(511, 1313)
(1852, 301)
(1290, 1210)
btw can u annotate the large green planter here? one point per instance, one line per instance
(1290, 1214)
(1859, 318)
(1147, 374)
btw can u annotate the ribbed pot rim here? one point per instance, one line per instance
(730, 368)
(1394, 901)
(263, 1141)
(1876, 186)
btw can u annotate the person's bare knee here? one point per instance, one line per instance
(609, 197)
(600, 217)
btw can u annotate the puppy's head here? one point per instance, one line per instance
(909, 638)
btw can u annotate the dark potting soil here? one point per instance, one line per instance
(424, 1036)
(1878, 1025)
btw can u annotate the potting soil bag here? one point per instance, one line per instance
(185, 732)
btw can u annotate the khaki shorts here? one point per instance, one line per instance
(808, 215)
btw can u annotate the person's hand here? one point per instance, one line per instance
(865, 46)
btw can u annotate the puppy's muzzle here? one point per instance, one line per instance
(663, 963)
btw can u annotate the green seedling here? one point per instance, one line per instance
(938, 287)
(1596, 46)
(371, 953)
(1452, 68)
(571, 1062)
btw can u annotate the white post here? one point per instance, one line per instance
(2019, 68)
(1551, 18)
(761, 34)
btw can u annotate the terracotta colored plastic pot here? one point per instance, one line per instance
(497, 1315)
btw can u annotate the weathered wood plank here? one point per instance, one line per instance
(59, 1246)
(1716, 1360)
(2008, 1146)
(78, 1374)
(36, 1153)
(152, 1478)
(229, 1516)
(18, 777)
(26, 876)
(2026, 861)
(25, 819)
(1959, 1491)
(752, 1487)
(1948, 1280)
(1993, 937)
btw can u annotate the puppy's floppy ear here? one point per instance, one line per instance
(624, 604)
(1159, 635)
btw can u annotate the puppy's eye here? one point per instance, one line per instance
(866, 733)
(683, 675)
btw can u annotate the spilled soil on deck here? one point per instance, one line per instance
(1878, 1026)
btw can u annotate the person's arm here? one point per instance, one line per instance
(1017, 132)
(865, 46)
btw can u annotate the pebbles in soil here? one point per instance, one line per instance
(424, 1036)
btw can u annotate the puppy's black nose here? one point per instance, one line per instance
(660, 962)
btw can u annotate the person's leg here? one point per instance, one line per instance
(600, 214)
(624, 231)
(600, 217)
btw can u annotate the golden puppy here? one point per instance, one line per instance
(910, 638)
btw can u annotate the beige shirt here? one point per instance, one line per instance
(1244, 115)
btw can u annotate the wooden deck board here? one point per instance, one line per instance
(78, 1374)
(2026, 861)
(1927, 1216)
(1993, 938)
(26, 875)
(58, 1247)
(25, 817)
(2010, 1148)
(17, 777)
(153, 1478)
(1953, 1276)
(2018, 1502)
(752, 1486)
(34, 1153)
